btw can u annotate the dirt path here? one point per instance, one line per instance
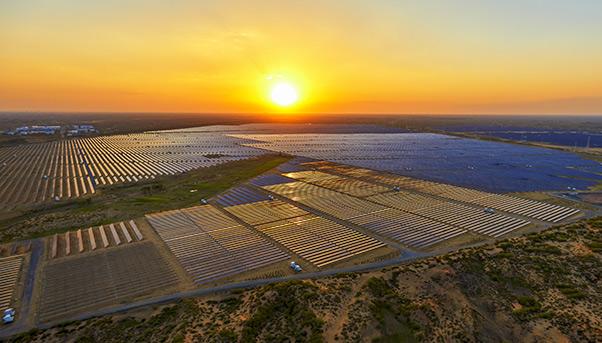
(23, 321)
(341, 319)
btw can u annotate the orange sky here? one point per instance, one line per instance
(344, 56)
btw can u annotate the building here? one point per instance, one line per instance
(36, 129)
(83, 129)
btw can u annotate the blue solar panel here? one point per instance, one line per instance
(490, 166)
(534, 134)
(293, 165)
(240, 195)
(270, 179)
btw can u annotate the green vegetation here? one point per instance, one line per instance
(392, 311)
(282, 313)
(126, 201)
(167, 325)
(528, 304)
(571, 291)
(595, 246)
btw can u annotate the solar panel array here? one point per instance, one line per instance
(467, 217)
(10, 268)
(240, 195)
(86, 240)
(519, 206)
(110, 276)
(409, 229)
(38, 172)
(318, 240)
(72, 168)
(269, 179)
(337, 204)
(265, 211)
(406, 228)
(490, 166)
(345, 185)
(210, 245)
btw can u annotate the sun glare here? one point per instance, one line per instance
(284, 94)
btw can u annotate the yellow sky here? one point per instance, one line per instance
(344, 56)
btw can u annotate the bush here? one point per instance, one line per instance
(570, 291)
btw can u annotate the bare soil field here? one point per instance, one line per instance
(592, 198)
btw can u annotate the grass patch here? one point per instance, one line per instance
(529, 307)
(571, 291)
(595, 246)
(544, 249)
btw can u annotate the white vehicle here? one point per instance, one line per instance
(297, 268)
(8, 316)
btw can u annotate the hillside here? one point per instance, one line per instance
(539, 288)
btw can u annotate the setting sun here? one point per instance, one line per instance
(284, 94)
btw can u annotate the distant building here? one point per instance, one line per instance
(36, 129)
(83, 129)
(73, 130)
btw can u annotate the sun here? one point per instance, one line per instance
(284, 94)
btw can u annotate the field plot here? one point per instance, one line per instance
(210, 245)
(72, 168)
(484, 165)
(93, 238)
(524, 207)
(111, 276)
(10, 268)
(318, 240)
